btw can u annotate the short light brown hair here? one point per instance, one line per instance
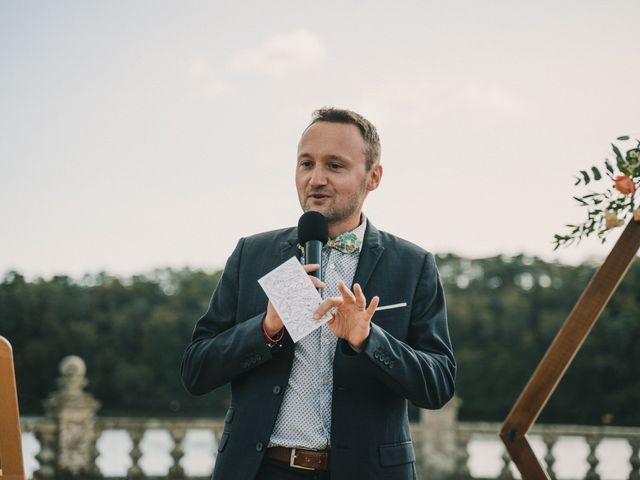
(367, 129)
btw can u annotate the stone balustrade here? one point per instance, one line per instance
(70, 433)
(550, 435)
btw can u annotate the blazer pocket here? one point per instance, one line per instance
(396, 454)
(394, 321)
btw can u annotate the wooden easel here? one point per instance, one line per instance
(568, 341)
(11, 466)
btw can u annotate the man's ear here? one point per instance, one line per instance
(375, 175)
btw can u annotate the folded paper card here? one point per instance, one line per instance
(294, 297)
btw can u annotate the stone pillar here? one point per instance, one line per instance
(440, 441)
(73, 411)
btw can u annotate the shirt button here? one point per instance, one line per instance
(259, 447)
(332, 266)
(325, 379)
(276, 390)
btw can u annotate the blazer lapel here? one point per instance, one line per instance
(289, 247)
(371, 250)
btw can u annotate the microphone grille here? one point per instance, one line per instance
(312, 226)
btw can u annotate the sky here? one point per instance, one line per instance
(136, 135)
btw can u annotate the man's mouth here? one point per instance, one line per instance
(318, 196)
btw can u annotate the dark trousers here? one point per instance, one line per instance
(276, 470)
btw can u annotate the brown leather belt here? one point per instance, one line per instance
(301, 458)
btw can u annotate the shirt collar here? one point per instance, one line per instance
(360, 229)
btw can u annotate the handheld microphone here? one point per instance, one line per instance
(313, 233)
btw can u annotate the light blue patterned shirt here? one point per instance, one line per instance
(304, 419)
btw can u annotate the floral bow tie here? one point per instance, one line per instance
(346, 242)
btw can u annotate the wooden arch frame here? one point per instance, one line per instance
(11, 464)
(560, 354)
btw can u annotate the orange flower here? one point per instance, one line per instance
(624, 185)
(636, 214)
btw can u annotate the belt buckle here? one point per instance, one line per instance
(292, 460)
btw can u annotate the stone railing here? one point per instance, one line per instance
(549, 438)
(55, 464)
(70, 436)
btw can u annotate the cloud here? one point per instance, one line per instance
(284, 52)
(204, 79)
(281, 53)
(419, 101)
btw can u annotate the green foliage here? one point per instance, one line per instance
(607, 209)
(503, 314)
(131, 333)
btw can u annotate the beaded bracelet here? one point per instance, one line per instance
(268, 338)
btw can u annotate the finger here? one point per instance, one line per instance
(373, 305)
(326, 305)
(346, 293)
(312, 267)
(317, 282)
(361, 301)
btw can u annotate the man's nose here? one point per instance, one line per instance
(318, 178)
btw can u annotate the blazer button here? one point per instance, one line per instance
(258, 357)
(259, 447)
(276, 390)
(386, 361)
(376, 355)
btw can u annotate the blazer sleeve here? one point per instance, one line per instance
(423, 368)
(222, 347)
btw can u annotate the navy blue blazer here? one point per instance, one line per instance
(408, 356)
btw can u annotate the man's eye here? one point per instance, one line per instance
(335, 166)
(305, 163)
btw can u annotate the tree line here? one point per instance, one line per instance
(503, 313)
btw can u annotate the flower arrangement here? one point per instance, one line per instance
(611, 208)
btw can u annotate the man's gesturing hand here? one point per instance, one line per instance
(351, 319)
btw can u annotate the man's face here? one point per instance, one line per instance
(331, 174)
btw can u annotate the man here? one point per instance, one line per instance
(333, 405)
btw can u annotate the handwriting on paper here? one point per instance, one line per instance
(294, 297)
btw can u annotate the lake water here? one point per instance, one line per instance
(485, 453)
